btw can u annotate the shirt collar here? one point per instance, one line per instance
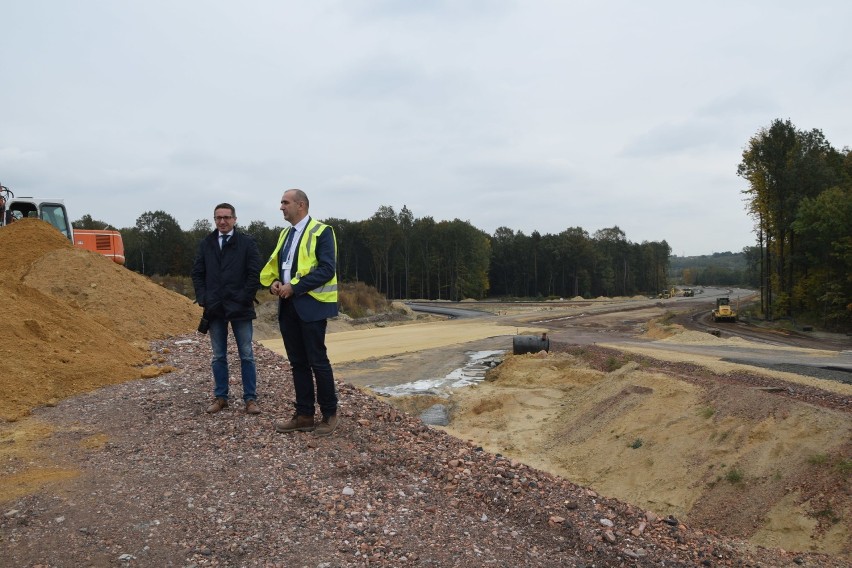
(300, 226)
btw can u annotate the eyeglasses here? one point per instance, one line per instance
(223, 218)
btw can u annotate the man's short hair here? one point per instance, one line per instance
(301, 196)
(226, 206)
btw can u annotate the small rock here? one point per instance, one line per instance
(640, 529)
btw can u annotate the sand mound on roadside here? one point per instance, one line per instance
(73, 319)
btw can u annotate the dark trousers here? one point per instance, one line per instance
(305, 346)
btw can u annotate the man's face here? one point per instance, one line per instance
(224, 219)
(291, 208)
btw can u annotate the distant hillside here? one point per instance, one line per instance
(729, 260)
(722, 268)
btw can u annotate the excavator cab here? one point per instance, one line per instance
(50, 210)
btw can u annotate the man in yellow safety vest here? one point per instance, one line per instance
(302, 272)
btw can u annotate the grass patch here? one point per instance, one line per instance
(613, 364)
(636, 444)
(734, 475)
(818, 459)
(829, 515)
(707, 412)
(667, 318)
(359, 300)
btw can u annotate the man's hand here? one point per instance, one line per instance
(281, 289)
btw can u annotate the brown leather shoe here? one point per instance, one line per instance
(252, 407)
(217, 405)
(297, 423)
(327, 425)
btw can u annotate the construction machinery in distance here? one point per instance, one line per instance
(106, 242)
(724, 311)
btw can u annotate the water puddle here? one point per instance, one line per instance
(473, 372)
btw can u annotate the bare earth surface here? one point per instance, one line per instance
(590, 455)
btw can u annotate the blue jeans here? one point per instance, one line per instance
(219, 342)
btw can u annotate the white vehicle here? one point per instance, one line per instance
(103, 241)
(51, 210)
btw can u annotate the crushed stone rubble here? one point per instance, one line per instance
(173, 486)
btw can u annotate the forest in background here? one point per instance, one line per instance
(407, 257)
(799, 194)
(800, 197)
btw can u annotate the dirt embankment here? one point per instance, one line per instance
(74, 320)
(734, 452)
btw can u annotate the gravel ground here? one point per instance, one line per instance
(163, 484)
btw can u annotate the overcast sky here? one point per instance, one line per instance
(533, 115)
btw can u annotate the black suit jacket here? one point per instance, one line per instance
(227, 280)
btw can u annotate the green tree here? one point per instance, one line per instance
(165, 247)
(427, 260)
(824, 225)
(503, 270)
(578, 253)
(265, 237)
(406, 229)
(86, 222)
(784, 166)
(382, 233)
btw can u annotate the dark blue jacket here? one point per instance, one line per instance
(227, 280)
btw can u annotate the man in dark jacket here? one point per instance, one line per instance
(226, 277)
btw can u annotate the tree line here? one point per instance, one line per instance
(800, 197)
(735, 269)
(404, 256)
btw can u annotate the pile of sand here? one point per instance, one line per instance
(74, 320)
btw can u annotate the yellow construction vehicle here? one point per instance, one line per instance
(724, 311)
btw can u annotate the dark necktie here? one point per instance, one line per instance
(224, 240)
(287, 242)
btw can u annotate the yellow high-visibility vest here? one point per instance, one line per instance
(307, 261)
